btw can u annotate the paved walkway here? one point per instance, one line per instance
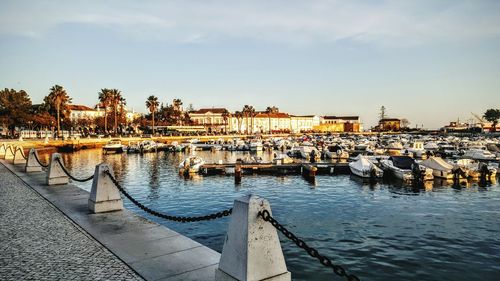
(37, 242)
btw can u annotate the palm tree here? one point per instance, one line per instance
(105, 100)
(225, 115)
(117, 100)
(152, 104)
(252, 114)
(269, 110)
(239, 116)
(245, 112)
(58, 98)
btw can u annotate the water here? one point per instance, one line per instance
(382, 231)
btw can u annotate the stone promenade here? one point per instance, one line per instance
(37, 242)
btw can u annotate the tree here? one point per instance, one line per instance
(269, 110)
(14, 108)
(382, 112)
(117, 103)
(152, 104)
(252, 114)
(58, 99)
(492, 115)
(405, 123)
(225, 115)
(246, 111)
(105, 100)
(239, 117)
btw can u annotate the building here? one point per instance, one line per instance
(211, 118)
(79, 112)
(264, 122)
(339, 124)
(130, 116)
(304, 123)
(389, 124)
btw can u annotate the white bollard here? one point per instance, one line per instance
(3, 150)
(19, 157)
(252, 249)
(9, 154)
(104, 196)
(55, 174)
(31, 164)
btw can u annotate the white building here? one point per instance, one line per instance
(78, 112)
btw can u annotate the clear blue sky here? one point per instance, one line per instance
(428, 61)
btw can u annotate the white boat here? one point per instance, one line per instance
(148, 146)
(474, 168)
(307, 152)
(417, 149)
(282, 159)
(336, 152)
(191, 164)
(405, 168)
(133, 147)
(365, 169)
(479, 154)
(441, 168)
(256, 145)
(113, 146)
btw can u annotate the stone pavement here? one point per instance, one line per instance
(37, 242)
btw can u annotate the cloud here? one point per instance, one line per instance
(383, 23)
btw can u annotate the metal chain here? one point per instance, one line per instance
(70, 176)
(22, 153)
(38, 160)
(337, 269)
(217, 215)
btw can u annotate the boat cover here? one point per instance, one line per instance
(362, 164)
(402, 162)
(437, 163)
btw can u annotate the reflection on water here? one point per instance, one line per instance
(378, 230)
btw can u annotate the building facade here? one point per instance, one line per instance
(79, 112)
(339, 124)
(211, 118)
(389, 124)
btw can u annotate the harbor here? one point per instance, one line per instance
(153, 178)
(250, 140)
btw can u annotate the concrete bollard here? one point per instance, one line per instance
(9, 153)
(19, 157)
(3, 150)
(252, 250)
(55, 174)
(31, 164)
(104, 196)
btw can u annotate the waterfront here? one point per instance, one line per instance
(382, 231)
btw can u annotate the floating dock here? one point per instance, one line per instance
(276, 169)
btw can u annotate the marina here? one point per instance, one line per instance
(394, 214)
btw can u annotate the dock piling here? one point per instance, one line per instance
(237, 172)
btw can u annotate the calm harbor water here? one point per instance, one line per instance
(381, 231)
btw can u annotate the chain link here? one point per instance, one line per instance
(217, 215)
(337, 269)
(69, 175)
(38, 160)
(22, 153)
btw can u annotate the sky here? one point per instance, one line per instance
(428, 61)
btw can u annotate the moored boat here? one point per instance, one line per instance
(191, 164)
(405, 168)
(362, 167)
(113, 146)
